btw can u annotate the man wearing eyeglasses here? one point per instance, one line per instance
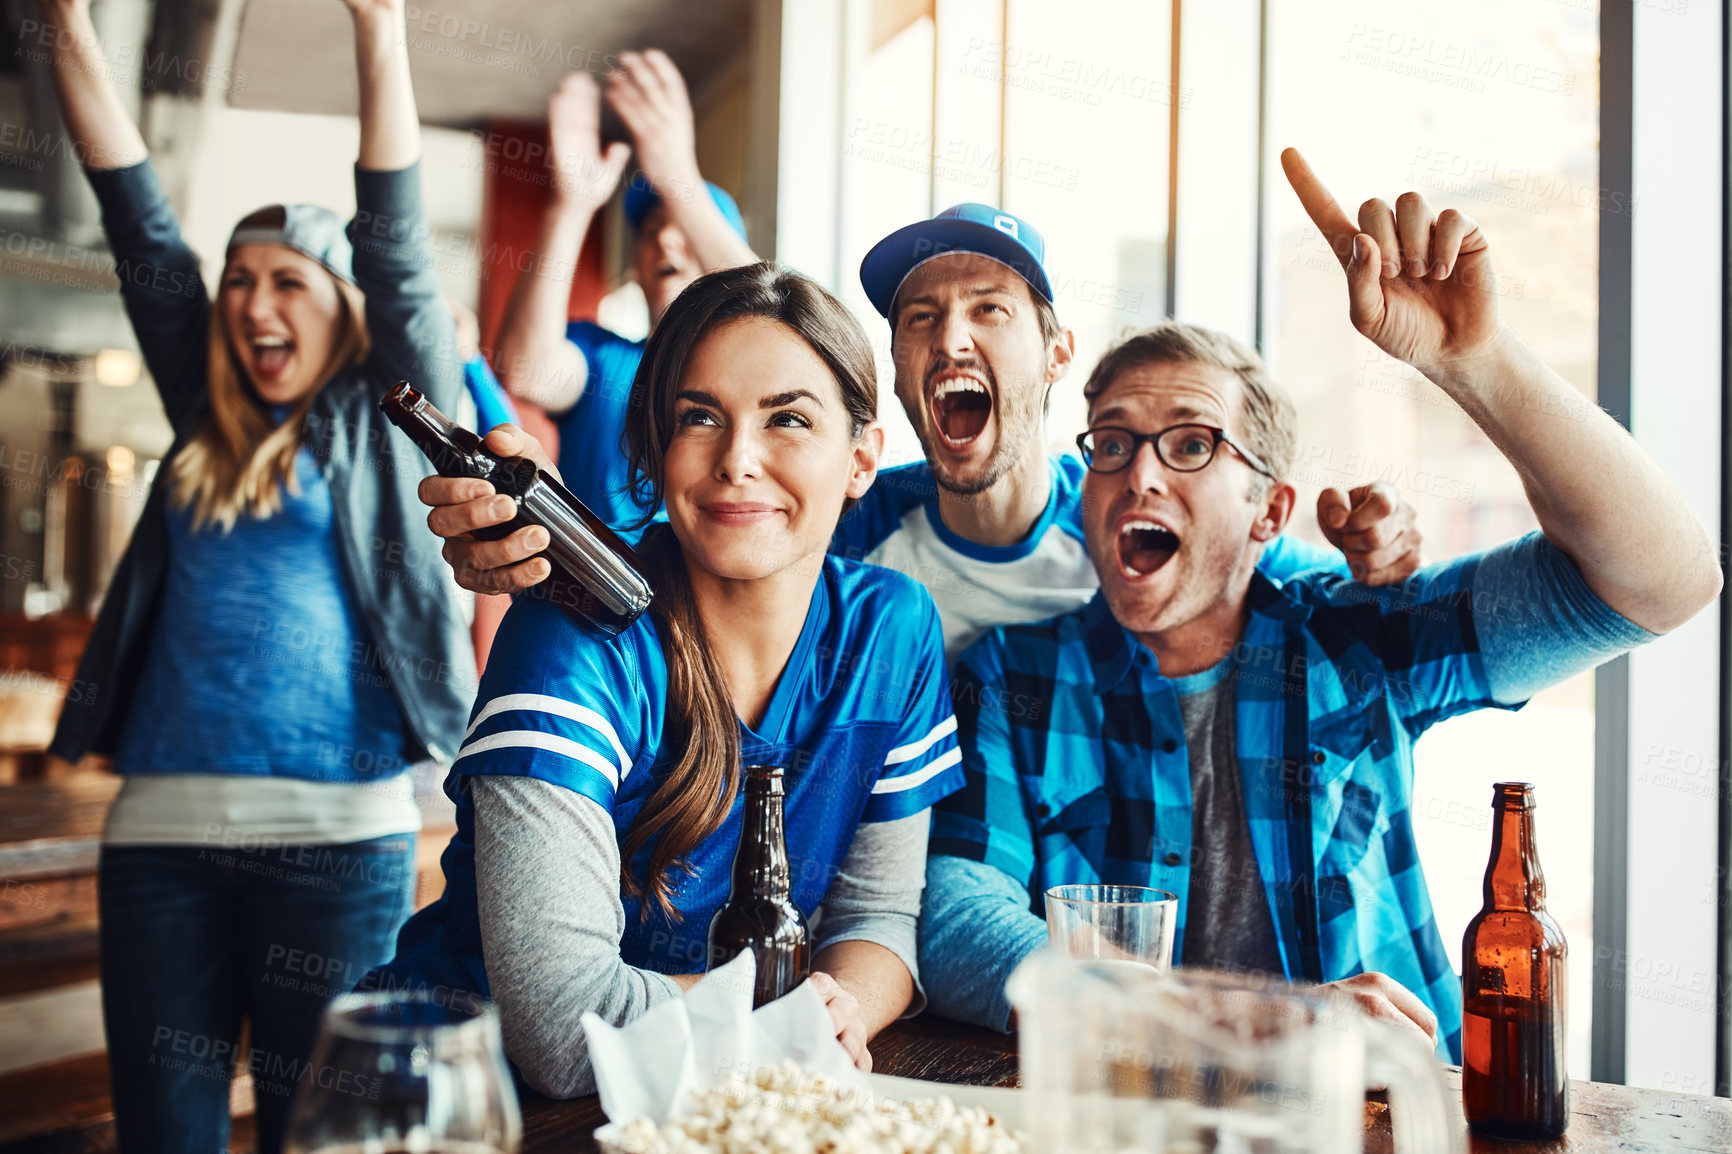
(1198, 729)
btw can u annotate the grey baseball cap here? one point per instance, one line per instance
(314, 232)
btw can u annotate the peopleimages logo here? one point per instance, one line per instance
(1462, 66)
(1527, 189)
(507, 41)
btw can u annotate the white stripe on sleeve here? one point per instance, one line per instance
(582, 714)
(919, 776)
(911, 751)
(553, 743)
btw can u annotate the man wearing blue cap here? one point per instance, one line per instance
(581, 373)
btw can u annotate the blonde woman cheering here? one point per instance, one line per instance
(279, 642)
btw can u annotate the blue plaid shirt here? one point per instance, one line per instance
(1077, 768)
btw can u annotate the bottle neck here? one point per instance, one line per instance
(761, 863)
(454, 450)
(1513, 879)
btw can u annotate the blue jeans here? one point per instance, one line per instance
(196, 938)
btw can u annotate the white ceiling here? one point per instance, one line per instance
(475, 59)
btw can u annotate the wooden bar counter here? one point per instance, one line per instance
(1604, 1118)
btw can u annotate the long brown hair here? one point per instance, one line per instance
(240, 460)
(698, 793)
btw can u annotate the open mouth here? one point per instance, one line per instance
(1144, 547)
(271, 354)
(960, 407)
(664, 271)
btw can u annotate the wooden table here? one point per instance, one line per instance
(1603, 1117)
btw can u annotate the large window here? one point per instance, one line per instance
(1062, 113)
(1491, 108)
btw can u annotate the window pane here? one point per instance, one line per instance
(1088, 92)
(886, 161)
(1492, 109)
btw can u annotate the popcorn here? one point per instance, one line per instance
(783, 1110)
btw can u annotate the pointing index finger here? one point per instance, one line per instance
(1320, 205)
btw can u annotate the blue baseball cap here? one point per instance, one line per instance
(312, 231)
(640, 198)
(977, 228)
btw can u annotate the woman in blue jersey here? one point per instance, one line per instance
(277, 645)
(597, 788)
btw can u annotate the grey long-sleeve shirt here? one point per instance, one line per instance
(547, 876)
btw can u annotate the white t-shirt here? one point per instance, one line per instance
(253, 811)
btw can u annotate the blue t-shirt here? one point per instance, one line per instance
(591, 458)
(259, 663)
(860, 723)
(492, 405)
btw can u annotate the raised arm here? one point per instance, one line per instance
(103, 134)
(1420, 285)
(535, 361)
(414, 337)
(159, 275)
(650, 96)
(390, 129)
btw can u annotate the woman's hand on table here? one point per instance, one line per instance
(846, 1016)
(844, 1007)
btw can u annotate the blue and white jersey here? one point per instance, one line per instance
(860, 723)
(591, 458)
(979, 587)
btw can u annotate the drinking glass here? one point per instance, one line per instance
(406, 1072)
(1131, 924)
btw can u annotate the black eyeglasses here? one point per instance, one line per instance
(1181, 448)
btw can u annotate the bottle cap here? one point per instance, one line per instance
(1513, 793)
(764, 777)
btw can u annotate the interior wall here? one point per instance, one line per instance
(720, 113)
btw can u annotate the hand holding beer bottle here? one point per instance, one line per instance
(594, 574)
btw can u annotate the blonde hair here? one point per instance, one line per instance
(240, 460)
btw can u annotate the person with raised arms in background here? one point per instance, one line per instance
(578, 372)
(277, 646)
(1248, 746)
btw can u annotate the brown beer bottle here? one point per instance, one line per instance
(760, 914)
(595, 575)
(1514, 1081)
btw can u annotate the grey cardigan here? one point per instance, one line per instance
(401, 586)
